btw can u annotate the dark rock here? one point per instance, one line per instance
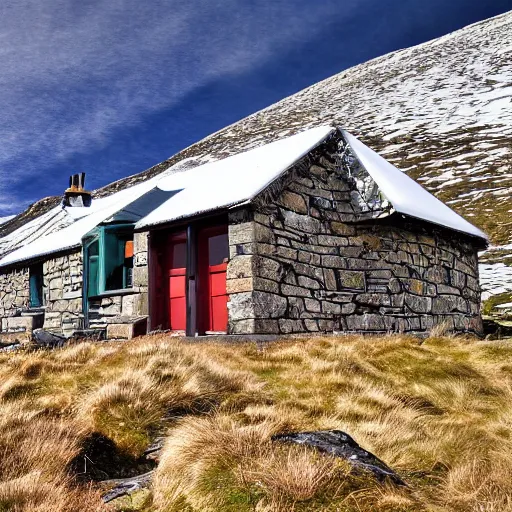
(340, 444)
(47, 339)
(496, 330)
(153, 451)
(125, 486)
(88, 335)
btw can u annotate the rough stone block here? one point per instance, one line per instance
(415, 286)
(418, 304)
(265, 285)
(266, 326)
(312, 305)
(340, 228)
(302, 223)
(331, 308)
(311, 325)
(240, 267)
(334, 261)
(293, 201)
(307, 282)
(241, 285)
(373, 299)
(352, 280)
(267, 268)
(286, 253)
(288, 326)
(56, 294)
(140, 276)
(287, 289)
(245, 326)
(241, 233)
(332, 241)
(368, 322)
(443, 304)
(140, 242)
(119, 331)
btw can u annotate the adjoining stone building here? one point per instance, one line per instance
(312, 233)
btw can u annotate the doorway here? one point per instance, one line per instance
(188, 280)
(213, 256)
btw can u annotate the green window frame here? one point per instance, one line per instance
(108, 269)
(36, 296)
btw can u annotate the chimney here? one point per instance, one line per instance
(75, 195)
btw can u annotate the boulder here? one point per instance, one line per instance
(47, 339)
(340, 444)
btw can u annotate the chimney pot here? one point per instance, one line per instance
(76, 195)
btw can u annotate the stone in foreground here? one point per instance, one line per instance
(340, 444)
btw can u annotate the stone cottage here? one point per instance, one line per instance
(311, 233)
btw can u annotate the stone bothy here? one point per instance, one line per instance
(309, 234)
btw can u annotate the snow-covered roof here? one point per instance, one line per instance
(84, 219)
(407, 196)
(233, 180)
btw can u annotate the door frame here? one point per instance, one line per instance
(157, 240)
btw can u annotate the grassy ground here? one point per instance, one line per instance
(440, 413)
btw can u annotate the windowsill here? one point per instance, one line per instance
(112, 293)
(33, 310)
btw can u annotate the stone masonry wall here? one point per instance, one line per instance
(297, 266)
(14, 291)
(62, 287)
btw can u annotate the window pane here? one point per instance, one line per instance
(179, 255)
(118, 273)
(218, 249)
(93, 269)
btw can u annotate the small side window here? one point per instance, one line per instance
(93, 265)
(36, 285)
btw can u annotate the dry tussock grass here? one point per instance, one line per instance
(51, 403)
(439, 412)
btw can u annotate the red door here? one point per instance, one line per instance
(213, 249)
(176, 275)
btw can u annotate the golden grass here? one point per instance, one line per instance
(439, 412)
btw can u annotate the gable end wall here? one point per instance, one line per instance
(297, 266)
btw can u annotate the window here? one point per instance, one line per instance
(36, 285)
(109, 259)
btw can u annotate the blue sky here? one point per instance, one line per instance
(112, 87)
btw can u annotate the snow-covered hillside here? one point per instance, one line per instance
(441, 111)
(3, 220)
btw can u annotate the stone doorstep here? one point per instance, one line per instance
(127, 329)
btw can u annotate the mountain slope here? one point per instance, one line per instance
(442, 111)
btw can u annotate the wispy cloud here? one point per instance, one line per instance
(72, 73)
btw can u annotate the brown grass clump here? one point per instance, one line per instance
(439, 412)
(53, 403)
